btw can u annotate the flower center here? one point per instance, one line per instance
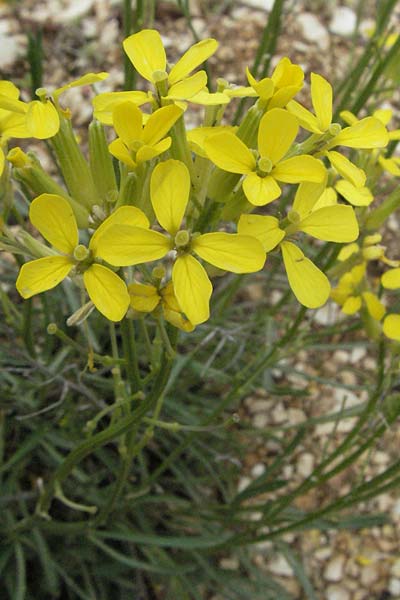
(182, 239)
(264, 166)
(294, 217)
(81, 253)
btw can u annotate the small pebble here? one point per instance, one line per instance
(305, 464)
(280, 566)
(394, 587)
(334, 569)
(313, 30)
(258, 470)
(343, 21)
(337, 592)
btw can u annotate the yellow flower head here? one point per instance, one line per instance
(137, 144)
(275, 91)
(316, 213)
(146, 52)
(147, 298)
(127, 245)
(53, 217)
(277, 131)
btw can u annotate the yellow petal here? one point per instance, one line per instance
(107, 291)
(118, 149)
(348, 117)
(7, 88)
(307, 196)
(287, 74)
(87, 79)
(391, 327)
(54, 218)
(321, 94)
(192, 58)
(2, 161)
(128, 121)
(192, 287)
(348, 251)
(12, 104)
(124, 215)
(390, 165)
(159, 123)
(264, 88)
(374, 306)
(260, 190)
(391, 279)
(168, 297)
(144, 298)
(310, 286)
(146, 153)
(264, 228)
(205, 98)
(42, 120)
(169, 192)
(346, 168)
(105, 103)
(232, 252)
(383, 114)
(13, 125)
(277, 132)
(332, 224)
(281, 98)
(124, 245)
(183, 90)
(366, 133)
(355, 195)
(198, 135)
(299, 168)
(146, 52)
(229, 153)
(304, 117)
(352, 305)
(327, 198)
(178, 320)
(42, 274)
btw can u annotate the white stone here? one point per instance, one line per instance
(334, 569)
(357, 354)
(380, 458)
(323, 553)
(328, 314)
(258, 405)
(313, 30)
(244, 482)
(395, 570)
(232, 564)
(337, 592)
(260, 420)
(281, 567)
(279, 414)
(344, 398)
(343, 21)
(258, 470)
(75, 11)
(305, 464)
(296, 415)
(261, 4)
(394, 587)
(10, 50)
(369, 575)
(341, 356)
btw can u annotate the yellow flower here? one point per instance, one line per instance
(137, 144)
(317, 215)
(53, 218)
(275, 91)
(146, 298)
(277, 131)
(127, 245)
(146, 52)
(351, 294)
(105, 103)
(321, 97)
(12, 124)
(41, 116)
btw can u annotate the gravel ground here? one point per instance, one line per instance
(85, 35)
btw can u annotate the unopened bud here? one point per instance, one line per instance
(18, 158)
(52, 328)
(158, 272)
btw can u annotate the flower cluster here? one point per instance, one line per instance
(192, 203)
